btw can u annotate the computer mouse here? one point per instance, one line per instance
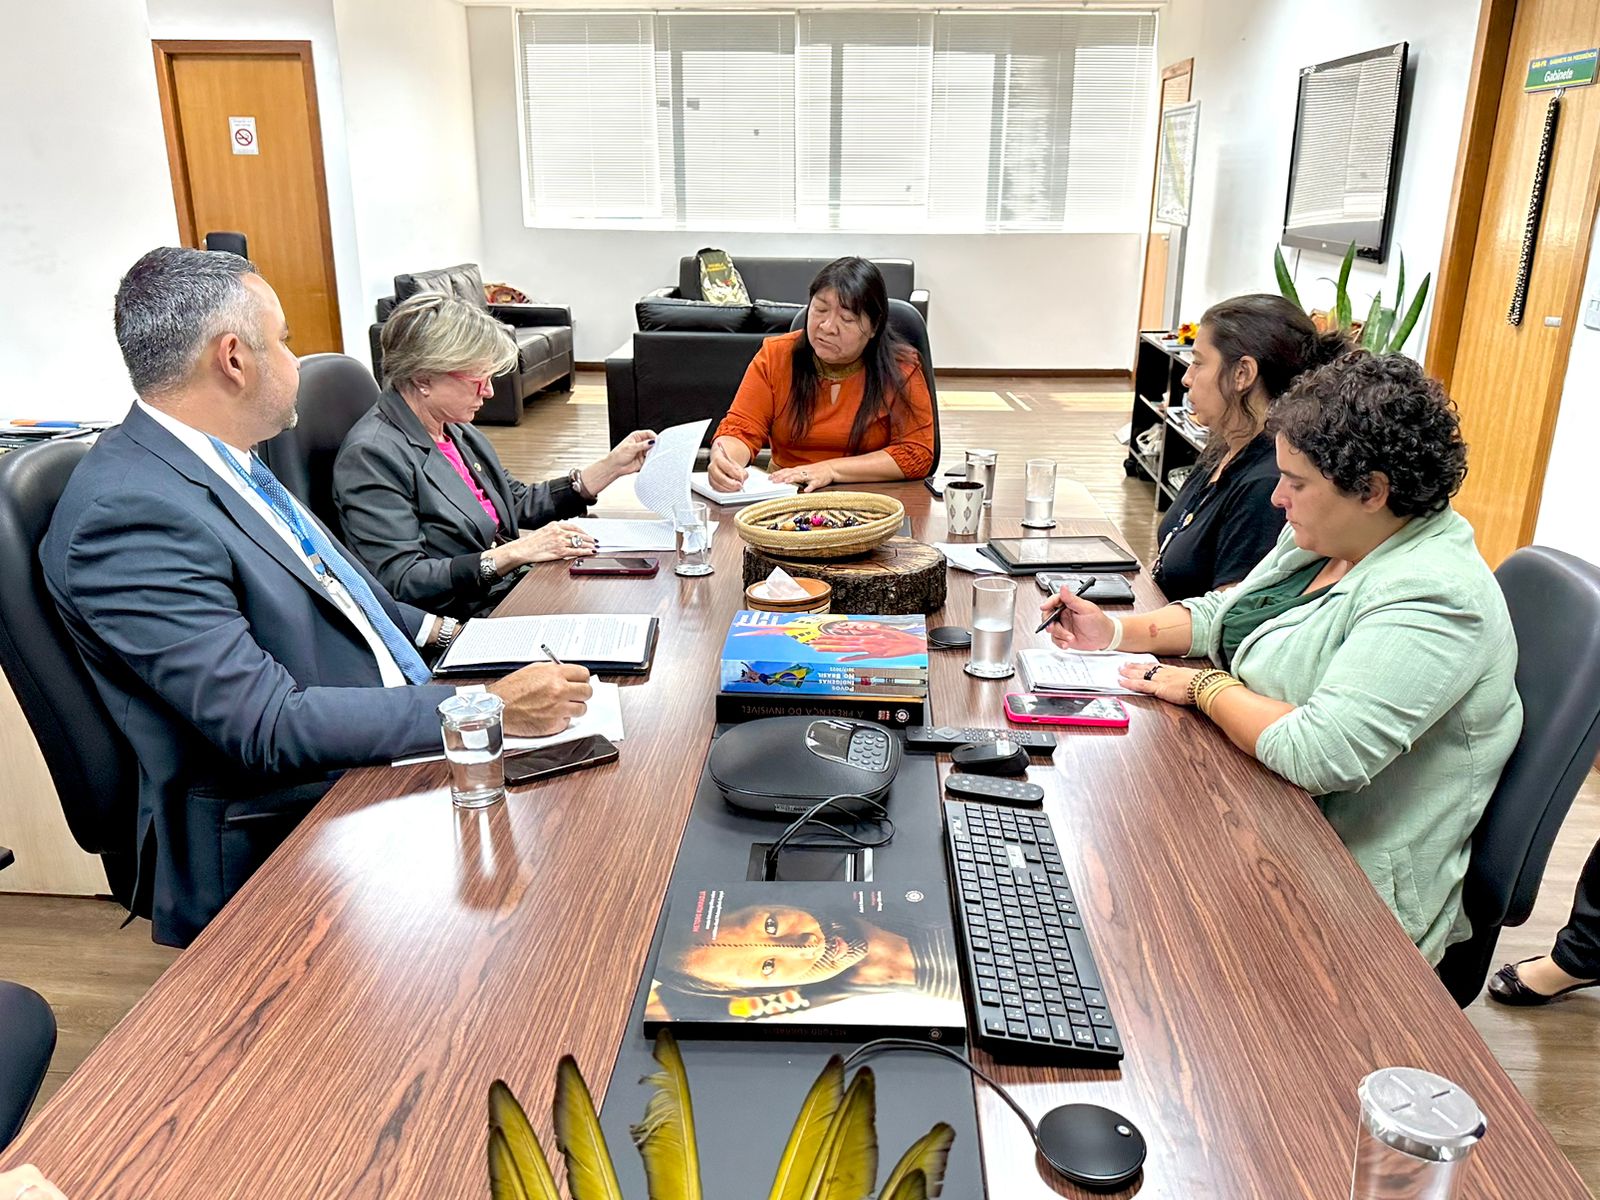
(1091, 1146)
(999, 757)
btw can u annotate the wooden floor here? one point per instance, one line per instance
(92, 973)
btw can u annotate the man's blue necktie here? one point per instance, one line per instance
(324, 555)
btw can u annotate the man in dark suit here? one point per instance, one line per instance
(244, 656)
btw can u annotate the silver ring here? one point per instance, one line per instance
(1151, 673)
(574, 540)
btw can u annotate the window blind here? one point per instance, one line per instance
(904, 120)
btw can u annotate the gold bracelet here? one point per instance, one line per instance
(1208, 698)
(1200, 680)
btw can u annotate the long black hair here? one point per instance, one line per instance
(1284, 343)
(860, 288)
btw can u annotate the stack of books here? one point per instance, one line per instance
(874, 668)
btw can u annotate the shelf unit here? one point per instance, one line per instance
(1158, 395)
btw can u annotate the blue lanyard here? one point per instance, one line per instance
(292, 517)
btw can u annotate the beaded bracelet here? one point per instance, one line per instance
(1201, 679)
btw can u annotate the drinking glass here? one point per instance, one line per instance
(963, 507)
(1039, 494)
(1417, 1131)
(994, 615)
(471, 725)
(980, 468)
(694, 539)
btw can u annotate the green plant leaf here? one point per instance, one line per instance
(926, 1158)
(1369, 327)
(590, 1173)
(847, 1162)
(666, 1137)
(810, 1127)
(1412, 314)
(1385, 324)
(1285, 280)
(911, 1186)
(1342, 315)
(523, 1158)
(1400, 289)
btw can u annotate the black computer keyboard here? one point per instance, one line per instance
(1032, 986)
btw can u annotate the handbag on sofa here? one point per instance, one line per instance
(720, 282)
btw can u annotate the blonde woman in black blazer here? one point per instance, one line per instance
(422, 496)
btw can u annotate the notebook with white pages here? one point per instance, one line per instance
(758, 485)
(605, 642)
(1086, 671)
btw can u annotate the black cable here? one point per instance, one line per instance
(881, 1044)
(881, 817)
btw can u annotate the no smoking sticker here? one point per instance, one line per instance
(242, 135)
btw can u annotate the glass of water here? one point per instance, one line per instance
(994, 616)
(694, 539)
(473, 742)
(1039, 495)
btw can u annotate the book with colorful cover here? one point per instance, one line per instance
(826, 654)
(808, 961)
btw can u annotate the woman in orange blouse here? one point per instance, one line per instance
(842, 400)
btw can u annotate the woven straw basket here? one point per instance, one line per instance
(886, 514)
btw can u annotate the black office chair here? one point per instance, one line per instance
(27, 1040)
(1554, 600)
(233, 243)
(92, 766)
(335, 393)
(908, 323)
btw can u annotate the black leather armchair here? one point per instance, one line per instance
(27, 1040)
(543, 333)
(335, 393)
(92, 766)
(687, 358)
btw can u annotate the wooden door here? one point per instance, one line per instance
(263, 179)
(1507, 379)
(1176, 81)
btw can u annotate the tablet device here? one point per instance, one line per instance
(1028, 556)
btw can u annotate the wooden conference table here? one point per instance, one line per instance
(334, 1031)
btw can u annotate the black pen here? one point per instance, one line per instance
(551, 655)
(1083, 586)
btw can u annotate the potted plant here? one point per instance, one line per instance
(1379, 333)
(832, 1153)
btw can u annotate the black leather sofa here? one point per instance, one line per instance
(543, 333)
(688, 357)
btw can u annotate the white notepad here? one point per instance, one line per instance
(758, 485)
(1093, 671)
(574, 637)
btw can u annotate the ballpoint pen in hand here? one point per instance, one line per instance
(551, 655)
(1083, 586)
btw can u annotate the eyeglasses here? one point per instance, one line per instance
(479, 382)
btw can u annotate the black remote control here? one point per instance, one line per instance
(930, 739)
(991, 790)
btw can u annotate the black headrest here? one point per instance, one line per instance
(92, 766)
(335, 393)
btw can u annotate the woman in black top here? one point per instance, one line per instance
(1246, 353)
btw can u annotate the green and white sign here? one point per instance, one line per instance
(1561, 71)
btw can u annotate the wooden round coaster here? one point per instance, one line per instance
(899, 577)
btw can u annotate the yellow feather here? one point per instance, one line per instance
(911, 1186)
(505, 1181)
(847, 1162)
(927, 1156)
(524, 1155)
(666, 1137)
(590, 1175)
(809, 1129)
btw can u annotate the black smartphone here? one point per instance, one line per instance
(559, 759)
(614, 566)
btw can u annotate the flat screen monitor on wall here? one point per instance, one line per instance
(1346, 154)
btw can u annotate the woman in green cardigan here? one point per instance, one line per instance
(1369, 657)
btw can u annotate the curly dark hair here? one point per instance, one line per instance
(1365, 414)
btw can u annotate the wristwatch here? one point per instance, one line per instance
(487, 571)
(448, 628)
(575, 477)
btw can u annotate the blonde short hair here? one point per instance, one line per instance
(430, 334)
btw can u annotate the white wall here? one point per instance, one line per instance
(1018, 301)
(1566, 512)
(413, 167)
(1247, 55)
(86, 192)
(299, 21)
